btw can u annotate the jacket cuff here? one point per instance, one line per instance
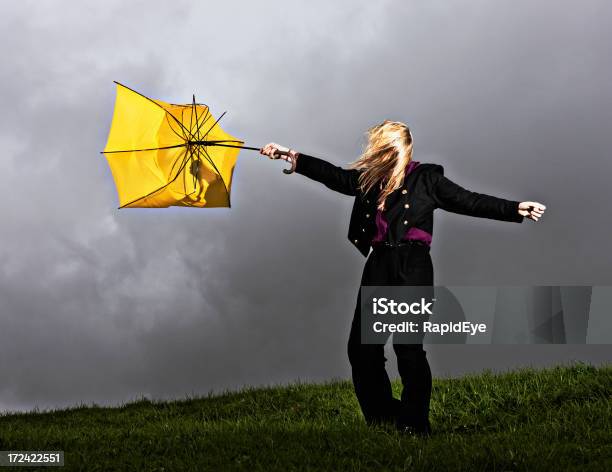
(306, 165)
(300, 163)
(515, 216)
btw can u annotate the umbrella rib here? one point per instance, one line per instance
(191, 115)
(184, 185)
(213, 125)
(180, 170)
(188, 131)
(142, 150)
(205, 143)
(186, 158)
(191, 136)
(194, 127)
(195, 174)
(200, 123)
(176, 160)
(180, 135)
(190, 151)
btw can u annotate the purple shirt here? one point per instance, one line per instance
(412, 233)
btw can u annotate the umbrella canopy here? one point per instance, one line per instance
(162, 154)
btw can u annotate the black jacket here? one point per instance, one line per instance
(425, 189)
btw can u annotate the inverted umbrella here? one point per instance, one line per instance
(162, 154)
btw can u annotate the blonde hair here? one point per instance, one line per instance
(385, 158)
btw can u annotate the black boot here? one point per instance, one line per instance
(389, 416)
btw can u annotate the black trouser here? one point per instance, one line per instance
(404, 265)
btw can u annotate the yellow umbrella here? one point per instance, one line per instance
(162, 154)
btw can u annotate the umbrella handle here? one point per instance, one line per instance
(284, 153)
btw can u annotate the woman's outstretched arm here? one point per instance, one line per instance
(334, 177)
(452, 197)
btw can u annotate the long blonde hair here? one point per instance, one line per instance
(385, 158)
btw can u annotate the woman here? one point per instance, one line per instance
(393, 213)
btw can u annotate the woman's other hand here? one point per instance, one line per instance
(531, 210)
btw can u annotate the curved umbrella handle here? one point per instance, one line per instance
(284, 153)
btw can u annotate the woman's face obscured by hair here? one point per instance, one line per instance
(394, 132)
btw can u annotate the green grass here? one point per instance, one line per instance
(553, 419)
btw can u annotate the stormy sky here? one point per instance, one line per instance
(102, 305)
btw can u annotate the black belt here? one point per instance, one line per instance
(409, 242)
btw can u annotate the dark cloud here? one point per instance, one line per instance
(513, 98)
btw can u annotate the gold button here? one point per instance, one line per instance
(404, 191)
(405, 222)
(407, 205)
(367, 215)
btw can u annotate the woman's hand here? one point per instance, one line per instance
(276, 151)
(531, 210)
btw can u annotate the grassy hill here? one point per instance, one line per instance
(554, 419)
